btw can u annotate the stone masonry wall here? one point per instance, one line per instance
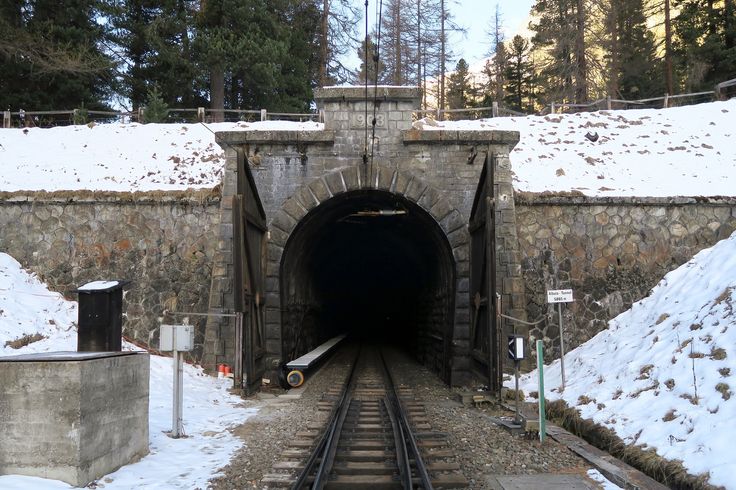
(162, 242)
(610, 251)
(439, 170)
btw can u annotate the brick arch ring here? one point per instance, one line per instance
(383, 178)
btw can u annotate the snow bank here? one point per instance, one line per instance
(27, 307)
(685, 151)
(664, 372)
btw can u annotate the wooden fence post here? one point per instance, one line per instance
(608, 102)
(666, 102)
(200, 114)
(552, 108)
(494, 109)
(6, 119)
(322, 116)
(264, 115)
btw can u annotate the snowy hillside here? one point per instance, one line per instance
(119, 157)
(30, 312)
(686, 151)
(664, 372)
(682, 151)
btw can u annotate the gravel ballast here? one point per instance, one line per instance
(482, 448)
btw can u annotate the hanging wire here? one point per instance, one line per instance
(365, 65)
(376, 58)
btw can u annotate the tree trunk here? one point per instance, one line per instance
(324, 51)
(729, 27)
(397, 42)
(441, 95)
(581, 77)
(668, 47)
(217, 92)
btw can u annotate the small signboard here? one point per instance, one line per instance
(559, 296)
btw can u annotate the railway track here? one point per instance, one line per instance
(376, 436)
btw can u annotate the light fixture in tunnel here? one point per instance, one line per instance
(381, 212)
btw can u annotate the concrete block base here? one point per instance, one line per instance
(73, 416)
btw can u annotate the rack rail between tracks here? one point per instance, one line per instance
(412, 470)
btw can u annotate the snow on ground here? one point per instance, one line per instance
(663, 374)
(119, 157)
(27, 307)
(685, 151)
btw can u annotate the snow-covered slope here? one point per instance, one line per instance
(686, 151)
(664, 372)
(683, 151)
(27, 307)
(119, 157)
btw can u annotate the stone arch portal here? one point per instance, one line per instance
(372, 254)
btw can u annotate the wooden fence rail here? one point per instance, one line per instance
(23, 118)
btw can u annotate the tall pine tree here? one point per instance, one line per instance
(519, 76)
(51, 58)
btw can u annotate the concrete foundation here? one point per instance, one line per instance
(73, 416)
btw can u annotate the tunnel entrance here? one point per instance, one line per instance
(372, 264)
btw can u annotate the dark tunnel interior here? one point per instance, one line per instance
(373, 265)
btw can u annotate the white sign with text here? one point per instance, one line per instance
(559, 296)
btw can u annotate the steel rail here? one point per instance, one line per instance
(328, 441)
(407, 434)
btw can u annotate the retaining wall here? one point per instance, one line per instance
(610, 251)
(163, 242)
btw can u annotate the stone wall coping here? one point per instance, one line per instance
(491, 136)
(357, 93)
(189, 196)
(284, 137)
(576, 198)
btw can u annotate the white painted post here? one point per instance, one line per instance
(562, 347)
(177, 426)
(200, 114)
(264, 115)
(540, 371)
(560, 296)
(494, 109)
(666, 100)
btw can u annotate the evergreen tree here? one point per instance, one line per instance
(559, 37)
(51, 57)
(706, 42)
(371, 70)
(156, 110)
(459, 91)
(259, 53)
(634, 71)
(519, 76)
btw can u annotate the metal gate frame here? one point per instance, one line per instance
(249, 259)
(485, 336)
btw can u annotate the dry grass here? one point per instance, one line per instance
(718, 354)
(670, 383)
(724, 371)
(24, 341)
(724, 390)
(645, 370)
(670, 473)
(669, 416)
(584, 400)
(662, 318)
(696, 326)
